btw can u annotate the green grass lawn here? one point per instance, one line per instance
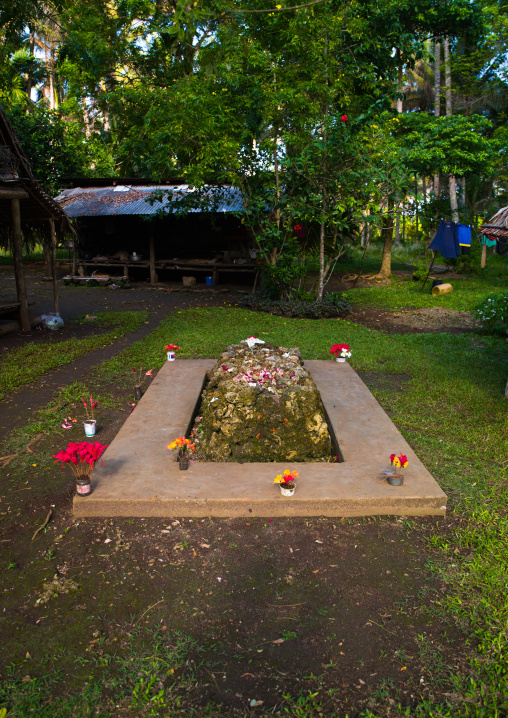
(28, 363)
(452, 412)
(403, 293)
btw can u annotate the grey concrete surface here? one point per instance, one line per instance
(141, 478)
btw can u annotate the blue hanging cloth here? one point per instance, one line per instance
(446, 240)
(464, 235)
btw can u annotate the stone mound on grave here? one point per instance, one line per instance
(261, 404)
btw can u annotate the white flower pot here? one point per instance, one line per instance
(340, 359)
(90, 427)
(287, 492)
(171, 356)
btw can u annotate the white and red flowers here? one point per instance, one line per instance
(252, 341)
(341, 350)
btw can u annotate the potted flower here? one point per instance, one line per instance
(341, 352)
(287, 482)
(395, 477)
(184, 447)
(81, 457)
(140, 381)
(90, 418)
(171, 349)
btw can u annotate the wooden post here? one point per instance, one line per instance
(17, 254)
(153, 273)
(484, 255)
(53, 266)
(73, 256)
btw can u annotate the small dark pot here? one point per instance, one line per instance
(83, 487)
(183, 460)
(138, 393)
(396, 480)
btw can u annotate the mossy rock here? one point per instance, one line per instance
(261, 404)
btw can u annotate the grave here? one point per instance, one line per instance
(140, 477)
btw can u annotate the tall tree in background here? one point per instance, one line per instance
(437, 101)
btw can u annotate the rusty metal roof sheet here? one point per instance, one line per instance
(497, 226)
(128, 200)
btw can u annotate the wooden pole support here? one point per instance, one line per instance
(19, 274)
(441, 289)
(53, 266)
(153, 273)
(484, 256)
(13, 194)
(74, 256)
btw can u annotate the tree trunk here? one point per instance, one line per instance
(400, 102)
(387, 232)
(321, 282)
(53, 96)
(463, 191)
(365, 234)
(448, 77)
(31, 48)
(437, 101)
(452, 182)
(86, 119)
(322, 229)
(416, 209)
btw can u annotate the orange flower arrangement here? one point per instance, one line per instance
(287, 477)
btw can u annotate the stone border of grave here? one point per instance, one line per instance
(140, 477)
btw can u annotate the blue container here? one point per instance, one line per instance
(209, 281)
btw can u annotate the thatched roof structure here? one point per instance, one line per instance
(38, 207)
(497, 226)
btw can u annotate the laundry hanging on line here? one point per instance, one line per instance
(452, 239)
(464, 233)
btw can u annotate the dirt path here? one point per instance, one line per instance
(16, 409)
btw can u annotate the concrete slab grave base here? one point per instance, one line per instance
(140, 477)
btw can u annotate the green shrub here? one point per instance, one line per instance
(421, 271)
(492, 312)
(326, 307)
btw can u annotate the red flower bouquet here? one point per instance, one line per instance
(81, 457)
(341, 351)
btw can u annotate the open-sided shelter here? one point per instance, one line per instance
(161, 229)
(27, 213)
(495, 232)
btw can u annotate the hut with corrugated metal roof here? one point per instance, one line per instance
(495, 232)
(27, 215)
(131, 227)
